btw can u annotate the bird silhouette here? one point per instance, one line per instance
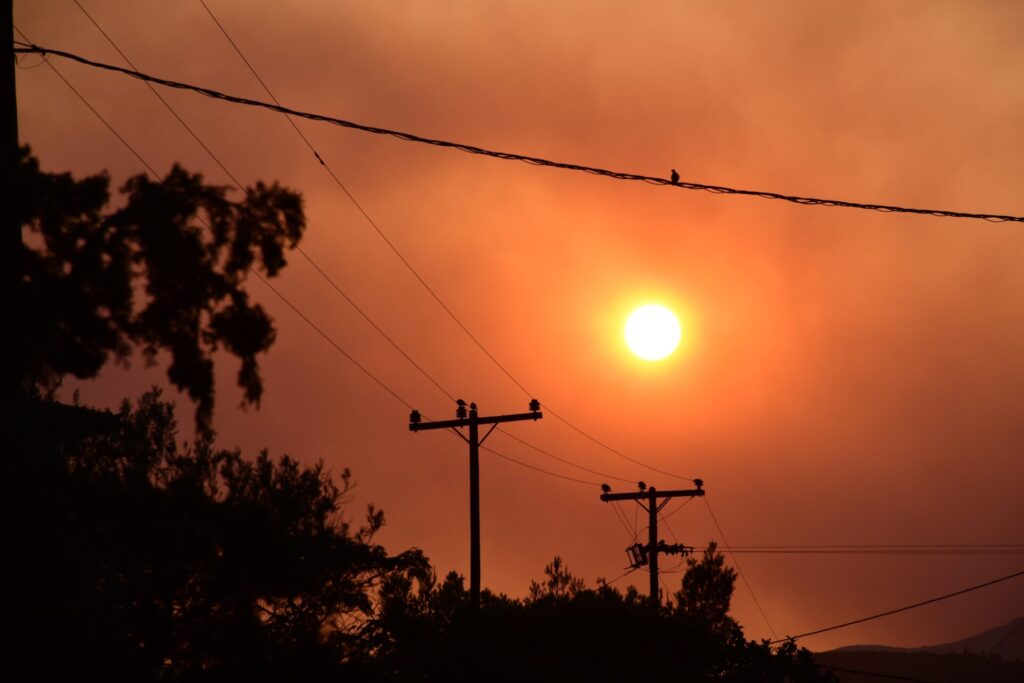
(675, 177)
(606, 488)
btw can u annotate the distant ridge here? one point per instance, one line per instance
(1007, 641)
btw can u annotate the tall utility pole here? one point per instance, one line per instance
(653, 507)
(473, 421)
(10, 227)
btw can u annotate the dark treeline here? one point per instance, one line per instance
(132, 556)
(137, 558)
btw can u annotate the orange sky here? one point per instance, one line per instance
(847, 377)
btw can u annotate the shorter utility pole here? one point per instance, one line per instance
(640, 554)
(473, 421)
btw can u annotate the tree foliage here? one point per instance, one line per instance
(164, 272)
(707, 588)
(564, 630)
(138, 559)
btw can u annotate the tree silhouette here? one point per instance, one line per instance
(707, 590)
(164, 272)
(132, 558)
(560, 584)
(566, 631)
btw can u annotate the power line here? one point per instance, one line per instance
(621, 576)
(160, 97)
(512, 156)
(333, 343)
(678, 508)
(621, 516)
(561, 459)
(738, 570)
(373, 324)
(426, 286)
(602, 444)
(588, 482)
(940, 598)
(93, 110)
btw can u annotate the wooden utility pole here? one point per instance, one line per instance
(10, 227)
(649, 554)
(473, 421)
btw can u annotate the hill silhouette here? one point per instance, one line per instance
(992, 656)
(852, 666)
(1007, 641)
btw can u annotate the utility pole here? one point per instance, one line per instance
(10, 227)
(473, 421)
(640, 555)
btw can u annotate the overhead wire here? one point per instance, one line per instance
(679, 507)
(540, 469)
(621, 576)
(623, 520)
(560, 459)
(898, 610)
(513, 156)
(739, 571)
(160, 97)
(608, 448)
(86, 102)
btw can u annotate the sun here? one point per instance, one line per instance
(652, 332)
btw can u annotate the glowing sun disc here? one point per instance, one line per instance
(652, 332)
